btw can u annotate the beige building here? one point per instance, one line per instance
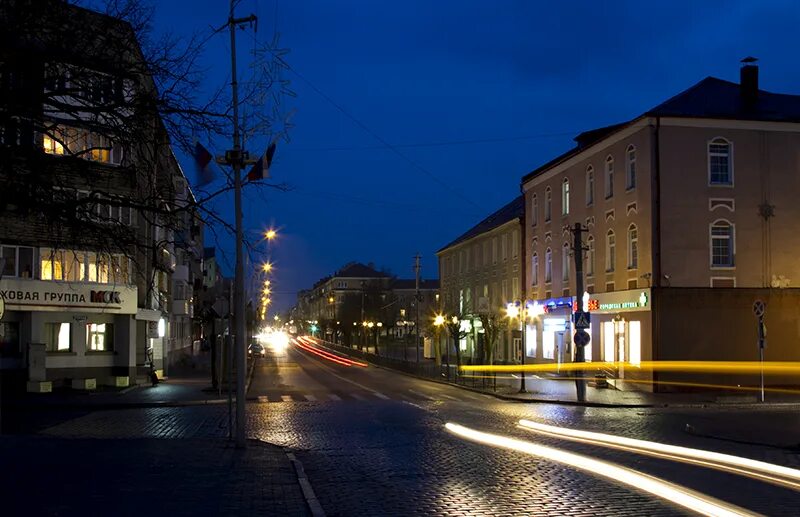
(480, 272)
(693, 200)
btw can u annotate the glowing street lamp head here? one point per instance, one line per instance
(512, 310)
(331, 299)
(271, 234)
(438, 320)
(267, 267)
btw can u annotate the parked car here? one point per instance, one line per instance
(256, 350)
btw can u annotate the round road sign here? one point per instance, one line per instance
(758, 308)
(582, 338)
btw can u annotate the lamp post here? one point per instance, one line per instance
(438, 321)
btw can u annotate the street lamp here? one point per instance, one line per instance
(267, 267)
(270, 234)
(513, 310)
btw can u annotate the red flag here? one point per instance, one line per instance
(260, 170)
(202, 162)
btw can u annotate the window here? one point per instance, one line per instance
(548, 344)
(548, 266)
(504, 247)
(504, 291)
(9, 339)
(565, 197)
(461, 261)
(609, 177)
(515, 244)
(81, 266)
(565, 262)
(494, 250)
(535, 211)
(590, 256)
(515, 288)
(633, 247)
(548, 201)
(722, 244)
(589, 185)
(476, 262)
(99, 337)
(720, 169)
(611, 251)
(635, 343)
(535, 269)
(18, 261)
(630, 168)
(57, 337)
(485, 253)
(64, 140)
(530, 340)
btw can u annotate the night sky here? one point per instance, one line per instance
(473, 94)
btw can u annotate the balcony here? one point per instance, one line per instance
(183, 308)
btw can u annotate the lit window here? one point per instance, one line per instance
(530, 340)
(635, 343)
(630, 168)
(611, 250)
(548, 201)
(589, 185)
(565, 197)
(720, 170)
(99, 337)
(609, 339)
(633, 247)
(57, 337)
(51, 145)
(548, 344)
(609, 177)
(722, 244)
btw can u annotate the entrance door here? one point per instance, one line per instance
(518, 349)
(622, 329)
(561, 351)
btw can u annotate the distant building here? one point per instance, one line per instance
(692, 215)
(404, 292)
(480, 272)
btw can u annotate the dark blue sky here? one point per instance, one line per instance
(520, 77)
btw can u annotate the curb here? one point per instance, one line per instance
(305, 486)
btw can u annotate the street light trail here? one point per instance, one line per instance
(318, 344)
(318, 353)
(734, 367)
(676, 494)
(768, 472)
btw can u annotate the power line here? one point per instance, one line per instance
(436, 144)
(372, 133)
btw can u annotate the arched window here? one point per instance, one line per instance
(535, 269)
(609, 183)
(535, 210)
(565, 197)
(720, 162)
(630, 168)
(589, 185)
(548, 201)
(590, 256)
(611, 250)
(633, 247)
(565, 262)
(722, 244)
(548, 266)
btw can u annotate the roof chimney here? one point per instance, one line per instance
(748, 82)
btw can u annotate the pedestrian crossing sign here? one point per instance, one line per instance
(582, 319)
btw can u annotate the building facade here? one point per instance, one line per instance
(480, 273)
(693, 200)
(88, 210)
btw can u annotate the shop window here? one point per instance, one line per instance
(635, 342)
(9, 339)
(609, 338)
(548, 344)
(57, 337)
(530, 341)
(99, 337)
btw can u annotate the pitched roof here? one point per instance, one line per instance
(511, 211)
(410, 283)
(358, 270)
(710, 98)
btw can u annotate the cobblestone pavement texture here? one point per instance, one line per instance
(144, 477)
(372, 443)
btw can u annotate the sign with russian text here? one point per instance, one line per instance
(40, 295)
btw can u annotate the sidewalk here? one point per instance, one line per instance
(183, 387)
(56, 476)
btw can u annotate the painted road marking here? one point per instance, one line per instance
(335, 397)
(286, 398)
(380, 395)
(311, 398)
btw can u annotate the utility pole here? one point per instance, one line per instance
(416, 303)
(236, 159)
(581, 336)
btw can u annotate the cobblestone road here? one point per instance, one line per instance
(373, 443)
